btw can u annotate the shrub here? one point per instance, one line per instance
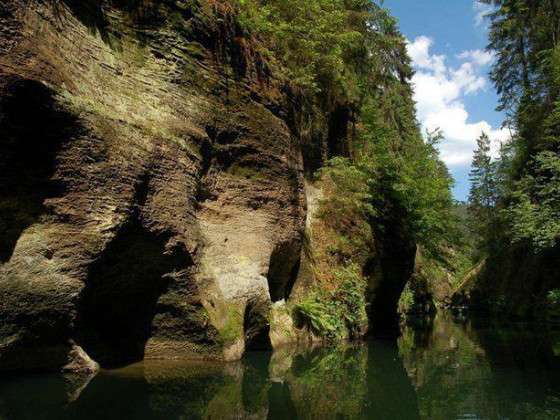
(339, 313)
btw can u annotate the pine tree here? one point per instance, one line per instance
(484, 190)
(524, 36)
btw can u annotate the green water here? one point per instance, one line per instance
(450, 371)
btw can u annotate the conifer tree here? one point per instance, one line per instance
(483, 193)
(524, 37)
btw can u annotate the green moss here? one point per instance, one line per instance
(195, 50)
(136, 54)
(553, 303)
(176, 19)
(233, 327)
(245, 172)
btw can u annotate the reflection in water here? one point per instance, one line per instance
(453, 371)
(477, 372)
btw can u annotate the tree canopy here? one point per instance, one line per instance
(524, 37)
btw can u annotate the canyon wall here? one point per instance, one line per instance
(152, 197)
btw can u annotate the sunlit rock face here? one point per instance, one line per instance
(152, 196)
(151, 193)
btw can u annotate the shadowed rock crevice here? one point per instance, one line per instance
(33, 129)
(394, 268)
(283, 269)
(339, 122)
(119, 301)
(257, 327)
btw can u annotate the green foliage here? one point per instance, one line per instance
(483, 195)
(406, 301)
(318, 317)
(335, 314)
(525, 203)
(347, 210)
(408, 183)
(467, 245)
(553, 297)
(535, 208)
(553, 304)
(350, 55)
(333, 48)
(233, 327)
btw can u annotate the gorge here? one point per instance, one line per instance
(188, 183)
(154, 200)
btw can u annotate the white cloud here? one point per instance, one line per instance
(439, 91)
(461, 135)
(481, 10)
(479, 57)
(419, 51)
(467, 78)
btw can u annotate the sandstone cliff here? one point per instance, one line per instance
(149, 182)
(152, 196)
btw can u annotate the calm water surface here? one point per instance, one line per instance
(450, 371)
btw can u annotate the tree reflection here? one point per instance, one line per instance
(451, 370)
(467, 370)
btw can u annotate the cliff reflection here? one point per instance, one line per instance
(452, 370)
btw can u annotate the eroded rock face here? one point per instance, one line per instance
(148, 183)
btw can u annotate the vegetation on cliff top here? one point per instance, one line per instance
(352, 52)
(338, 49)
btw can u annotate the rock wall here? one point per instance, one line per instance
(149, 183)
(152, 196)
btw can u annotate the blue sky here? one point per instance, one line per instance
(452, 89)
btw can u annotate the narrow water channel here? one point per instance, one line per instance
(451, 370)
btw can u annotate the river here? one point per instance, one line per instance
(451, 370)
